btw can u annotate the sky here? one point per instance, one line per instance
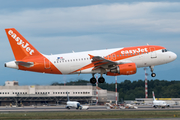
(63, 26)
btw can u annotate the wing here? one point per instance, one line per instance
(100, 62)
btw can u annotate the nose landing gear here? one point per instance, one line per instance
(152, 69)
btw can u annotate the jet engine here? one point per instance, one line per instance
(123, 69)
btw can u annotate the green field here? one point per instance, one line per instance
(90, 114)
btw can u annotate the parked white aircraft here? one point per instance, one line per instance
(159, 103)
(112, 62)
(72, 104)
(75, 104)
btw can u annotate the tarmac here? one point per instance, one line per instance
(4, 109)
(62, 108)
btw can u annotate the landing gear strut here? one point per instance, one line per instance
(152, 69)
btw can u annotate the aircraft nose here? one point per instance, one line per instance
(173, 56)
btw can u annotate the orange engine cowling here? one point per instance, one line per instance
(124, 69)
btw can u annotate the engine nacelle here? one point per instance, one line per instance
(124, 69)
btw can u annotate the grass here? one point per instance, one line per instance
(89, 114)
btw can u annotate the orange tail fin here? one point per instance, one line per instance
(20, 46)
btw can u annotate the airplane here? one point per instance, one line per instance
(72, 104)
(112, 62)
(159, 103)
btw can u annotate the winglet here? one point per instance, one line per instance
(91, 56)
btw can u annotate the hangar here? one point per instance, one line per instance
(13, 94)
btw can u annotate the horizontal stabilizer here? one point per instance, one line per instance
(25, 64)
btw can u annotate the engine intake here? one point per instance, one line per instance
(115, 70)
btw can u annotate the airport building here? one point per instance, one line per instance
(12, 93)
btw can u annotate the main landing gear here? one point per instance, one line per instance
(152, 69)
(100, 79)
(93, 80)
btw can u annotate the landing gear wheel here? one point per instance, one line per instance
(153, 75)
(101, 80)
(93, 80)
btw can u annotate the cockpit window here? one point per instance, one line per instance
(164, 50)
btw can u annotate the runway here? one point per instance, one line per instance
(91, 108)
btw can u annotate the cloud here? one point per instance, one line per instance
(103, 18)
(117, 22)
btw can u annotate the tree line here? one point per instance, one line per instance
(129, 90)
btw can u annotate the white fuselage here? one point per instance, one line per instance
(70, 62)
(159, 103)
(72, 104)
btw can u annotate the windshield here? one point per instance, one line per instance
(164, 50)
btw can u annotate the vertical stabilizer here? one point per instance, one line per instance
(67, 96)
(154, 99)
(20, 46)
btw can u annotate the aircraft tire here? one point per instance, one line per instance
(153, 75)
(101, 80)
(93, 80)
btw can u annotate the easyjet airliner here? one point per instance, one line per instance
(112, 62)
